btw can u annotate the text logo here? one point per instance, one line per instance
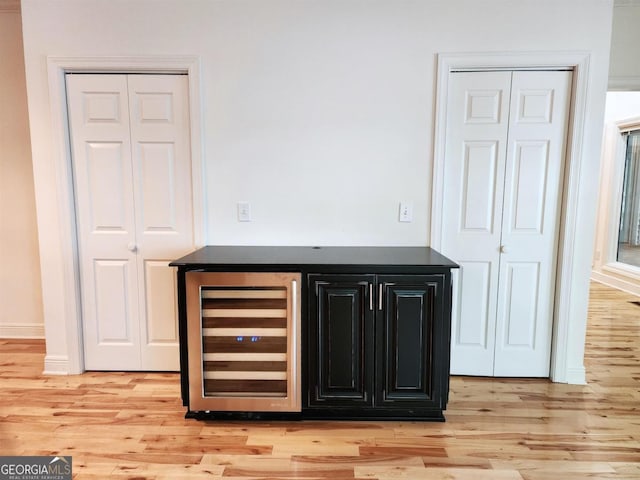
(35, 468)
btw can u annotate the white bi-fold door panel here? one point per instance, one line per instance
(506, 139)
(132, 176)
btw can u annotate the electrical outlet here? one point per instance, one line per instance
(406, 212)
(244, 212)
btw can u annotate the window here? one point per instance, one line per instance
(629, 226)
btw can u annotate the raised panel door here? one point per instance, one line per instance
(161, 166)
(341, 333)
(99, 124)
(529, 242)
(477, 127)
(405, 340)
(132, 172)
(506, 140)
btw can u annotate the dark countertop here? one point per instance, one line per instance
(263, 257)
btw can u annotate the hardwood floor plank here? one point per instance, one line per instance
(418, 451)
(345, 460)
(462, 460)
(330, 473)
(153, 471)
(269, 462)
(314, 449)
(412, 473)
(627, 468)
(555, 467)
(578, 476)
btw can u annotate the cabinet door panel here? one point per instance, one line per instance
(341, 339)
(408, 353)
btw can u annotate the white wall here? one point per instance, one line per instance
(319, 112)
(623, 103)
(20, 293)
(620, 107)
(624, 69)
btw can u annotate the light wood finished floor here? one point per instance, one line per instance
(118, 425)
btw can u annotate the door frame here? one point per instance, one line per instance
(57, 68)
(565, 339)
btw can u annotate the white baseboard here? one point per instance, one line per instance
(616, 282)
(21, 330)
(577, 376)
(56, 365)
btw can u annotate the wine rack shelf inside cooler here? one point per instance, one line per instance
(244, 341)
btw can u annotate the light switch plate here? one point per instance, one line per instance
(406, 212)
(244, 212)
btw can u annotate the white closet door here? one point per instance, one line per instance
(503, 175)
(477, 126)
(132, 172)
(161, 159)
(99, 120)
(533, 191)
